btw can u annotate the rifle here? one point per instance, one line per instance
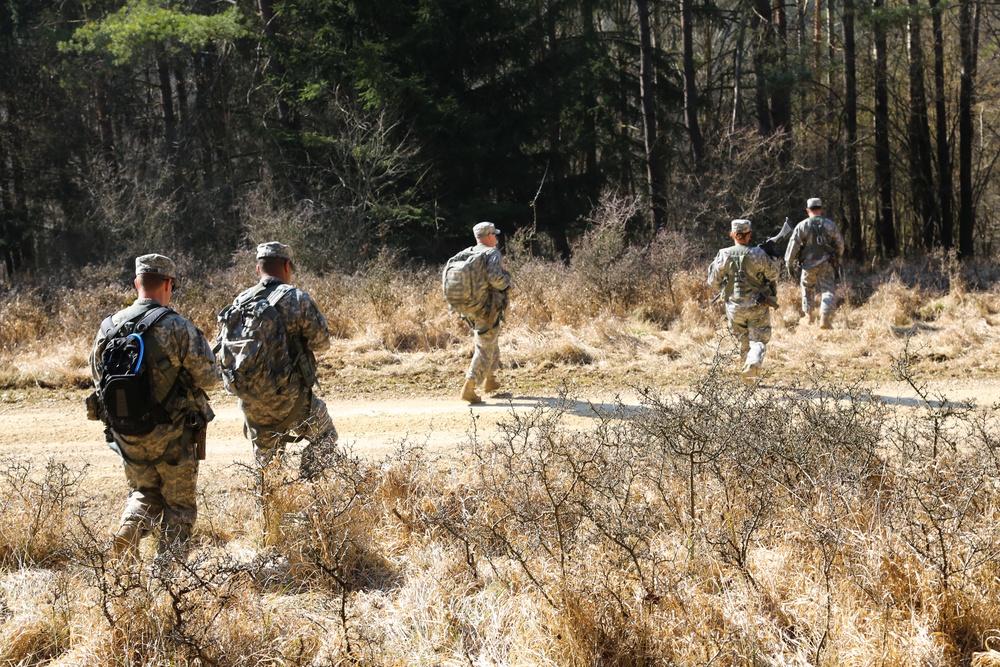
(768, 246)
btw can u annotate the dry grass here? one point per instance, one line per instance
(390, 325)
(805, 525)
(799, 538)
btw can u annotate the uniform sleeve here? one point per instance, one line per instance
(313, 329)
(496, 275)
(199, 360)
(716, 275)
(794, 248)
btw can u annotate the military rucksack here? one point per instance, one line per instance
(461, 277)
(253, 348)
(128, 400)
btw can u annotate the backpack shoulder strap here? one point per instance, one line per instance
(272, 293)
(278, 292)
(132, 313)
(250, 295)
(151, 317)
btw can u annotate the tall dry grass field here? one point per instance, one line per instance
(801, 522)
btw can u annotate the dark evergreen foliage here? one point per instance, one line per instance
(196, 128)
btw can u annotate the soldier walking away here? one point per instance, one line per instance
(746, 278)
(151, 368)
(266, 344)
(817, 248)
(475, 285)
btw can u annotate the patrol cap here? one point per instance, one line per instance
(484, 229)
(740, 226)
(274, 249)
(815, 202)
(158, 265)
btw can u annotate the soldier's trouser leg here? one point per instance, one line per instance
(826, 284)
(321, 449)
(266, 445)
(752, 329)
(162, 496)
(180, 504)
(759, 332)
(738, 325)
(808, 289)
(486, 357)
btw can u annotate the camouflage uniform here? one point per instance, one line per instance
(162, 467)
(816, 246)
(296, 410)
(485, 320)
(744, 274)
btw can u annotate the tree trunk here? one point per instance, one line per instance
(590, 99)
(105, 129)
(691, 88)
(966, 101)
(655, 173)
(275, 66)
(885, 230)
(737, 76)
(855, 241)
(921, 161)
(763, 37)
(781, 96)
(818, 44)
(167, 103)
(946, 194)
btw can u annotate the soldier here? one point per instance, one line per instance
(816, 247)
(746, 277)
(161, 466)
(491, 298)
(273, 418)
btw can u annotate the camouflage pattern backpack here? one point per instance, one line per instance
(252, 346)
(461, 280)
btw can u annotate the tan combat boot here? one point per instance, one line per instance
(491, 384)
(125, 550)
(751, 375)
(469, 392)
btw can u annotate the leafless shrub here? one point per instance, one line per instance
(36, 511)
(609, 266)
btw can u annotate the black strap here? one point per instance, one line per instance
(150, 314)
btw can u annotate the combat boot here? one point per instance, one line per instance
(125, 549)
(826, 320)
(750, 374)
(491, 384)
(469, 392)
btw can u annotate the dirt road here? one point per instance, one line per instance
(57, 427)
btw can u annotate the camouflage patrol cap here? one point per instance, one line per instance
(740, 226)
(815, 202)
(484, 229)
(157, 264)
(274, 249)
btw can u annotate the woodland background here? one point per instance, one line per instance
(196, 128)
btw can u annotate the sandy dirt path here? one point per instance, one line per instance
(58, 428)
